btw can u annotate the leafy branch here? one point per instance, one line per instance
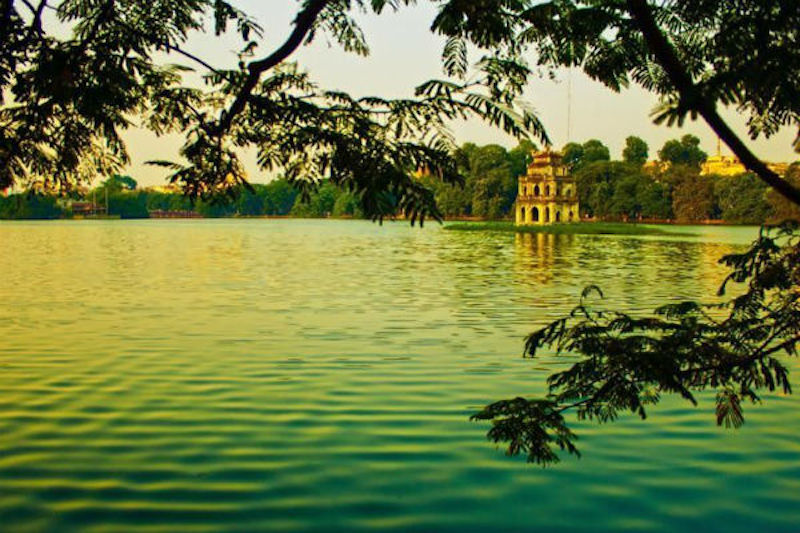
(627, 363)
(692, 99)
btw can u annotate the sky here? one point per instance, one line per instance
(404, 54)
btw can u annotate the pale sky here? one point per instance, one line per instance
(404, 53)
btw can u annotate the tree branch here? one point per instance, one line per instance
(37, 20)
(36, 12)
(5, 20)
(302, 25)
(691, 95)
(172, 48)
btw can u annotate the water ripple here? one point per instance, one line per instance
(316, 375)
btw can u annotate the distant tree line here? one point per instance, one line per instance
(627, 189)
(126, 200)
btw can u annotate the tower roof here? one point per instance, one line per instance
(546, 158)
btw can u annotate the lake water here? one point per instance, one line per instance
(287, 375)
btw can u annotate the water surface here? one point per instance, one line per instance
(201, 375)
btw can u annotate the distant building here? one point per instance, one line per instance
(170, 188)
(718, 165)
(779, 168)
(547, 192)
(722, 165)
(654, 167)
(85, 209)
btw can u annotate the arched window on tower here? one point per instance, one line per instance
(547, 190)
(547, 214)
(522, 214)
(535, 214)
(536, 191)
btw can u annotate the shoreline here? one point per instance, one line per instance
(575, 228)
(452, 223)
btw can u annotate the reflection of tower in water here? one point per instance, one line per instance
(536, 255)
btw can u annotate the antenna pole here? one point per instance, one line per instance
(569, 104)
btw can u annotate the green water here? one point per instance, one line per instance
(318, 375)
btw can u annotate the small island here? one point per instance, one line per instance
(575, 228)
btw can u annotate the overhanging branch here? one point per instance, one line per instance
(302, 25)
(691, 94)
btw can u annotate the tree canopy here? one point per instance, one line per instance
(635, 151)
(490, 181)
(685, 151)
(786, 209)
(607, 190)
(119, 183)
(576, 156)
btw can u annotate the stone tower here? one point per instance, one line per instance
(547, 193)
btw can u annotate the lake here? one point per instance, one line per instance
(291, 375)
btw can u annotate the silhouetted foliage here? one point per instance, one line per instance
(628, 363)
(73, 92)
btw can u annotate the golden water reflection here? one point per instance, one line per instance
(210, 375)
